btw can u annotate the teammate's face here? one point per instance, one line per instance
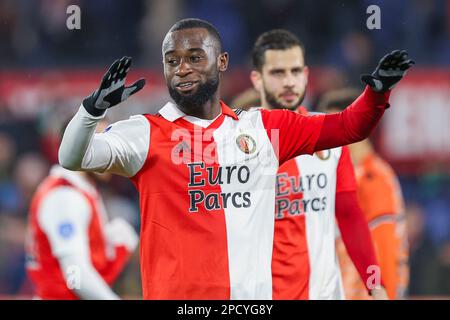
(192, 66)
(283, 79)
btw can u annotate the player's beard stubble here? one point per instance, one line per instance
(203, 94)
(274, 103)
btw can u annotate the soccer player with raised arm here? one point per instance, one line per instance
(311, 191)
(72, 250)
(205, 173)
(381, 200)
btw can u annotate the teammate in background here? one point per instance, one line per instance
(72, 251)
(311, 191)
(205, 173)
(381, 200)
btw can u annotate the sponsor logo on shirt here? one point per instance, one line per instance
(246, 143)
(290, 194)
(201, 176)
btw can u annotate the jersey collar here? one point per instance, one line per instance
(171, 112)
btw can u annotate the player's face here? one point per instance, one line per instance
(192, 66)
(283, 78)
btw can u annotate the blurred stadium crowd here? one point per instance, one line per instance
(45, 70)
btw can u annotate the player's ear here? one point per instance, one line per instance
(222, 62)
(256, 78)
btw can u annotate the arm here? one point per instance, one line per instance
(67, 232)
(293, 134)
(351, 220)
(386, 245)
(120, 151)
(355, 123)
(92, 285)
(355, 234)
(360, 118)
(381, 200)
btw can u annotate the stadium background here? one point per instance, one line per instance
(46, 69)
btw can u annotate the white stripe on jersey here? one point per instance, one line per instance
(250, 252)
(319, 182)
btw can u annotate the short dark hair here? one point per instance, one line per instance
(337, 99)
(191, 23)
(278, 39)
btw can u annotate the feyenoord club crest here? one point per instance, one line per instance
(324, 154)
(246, 143)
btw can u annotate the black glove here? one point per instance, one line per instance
(390, 70)
(112, 90)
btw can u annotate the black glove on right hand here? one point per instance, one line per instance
(112, 89)
(390, 70)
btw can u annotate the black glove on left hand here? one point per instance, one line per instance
(390, 70)
(112, 89)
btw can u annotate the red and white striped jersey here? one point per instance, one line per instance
(206, 195)
(206, 189)
(210, 213)
(304, 264)
(67, 217)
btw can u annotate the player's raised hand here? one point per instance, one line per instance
(390, 70)
(112, 90)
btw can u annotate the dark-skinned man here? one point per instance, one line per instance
(205, 173)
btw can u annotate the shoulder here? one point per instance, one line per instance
(64, 194)
(63, 203)
(267, 116)
(136, 122)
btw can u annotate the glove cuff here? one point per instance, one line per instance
(88, 104)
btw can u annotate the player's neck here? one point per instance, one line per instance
(208, 111)
(264, 103)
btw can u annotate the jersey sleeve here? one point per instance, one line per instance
(386, 246)
(355, 234)
(92, 285)
(122, 148)
(345, 173)
(355, 123)
(290, 133)
(64, 216)
(122, 236)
